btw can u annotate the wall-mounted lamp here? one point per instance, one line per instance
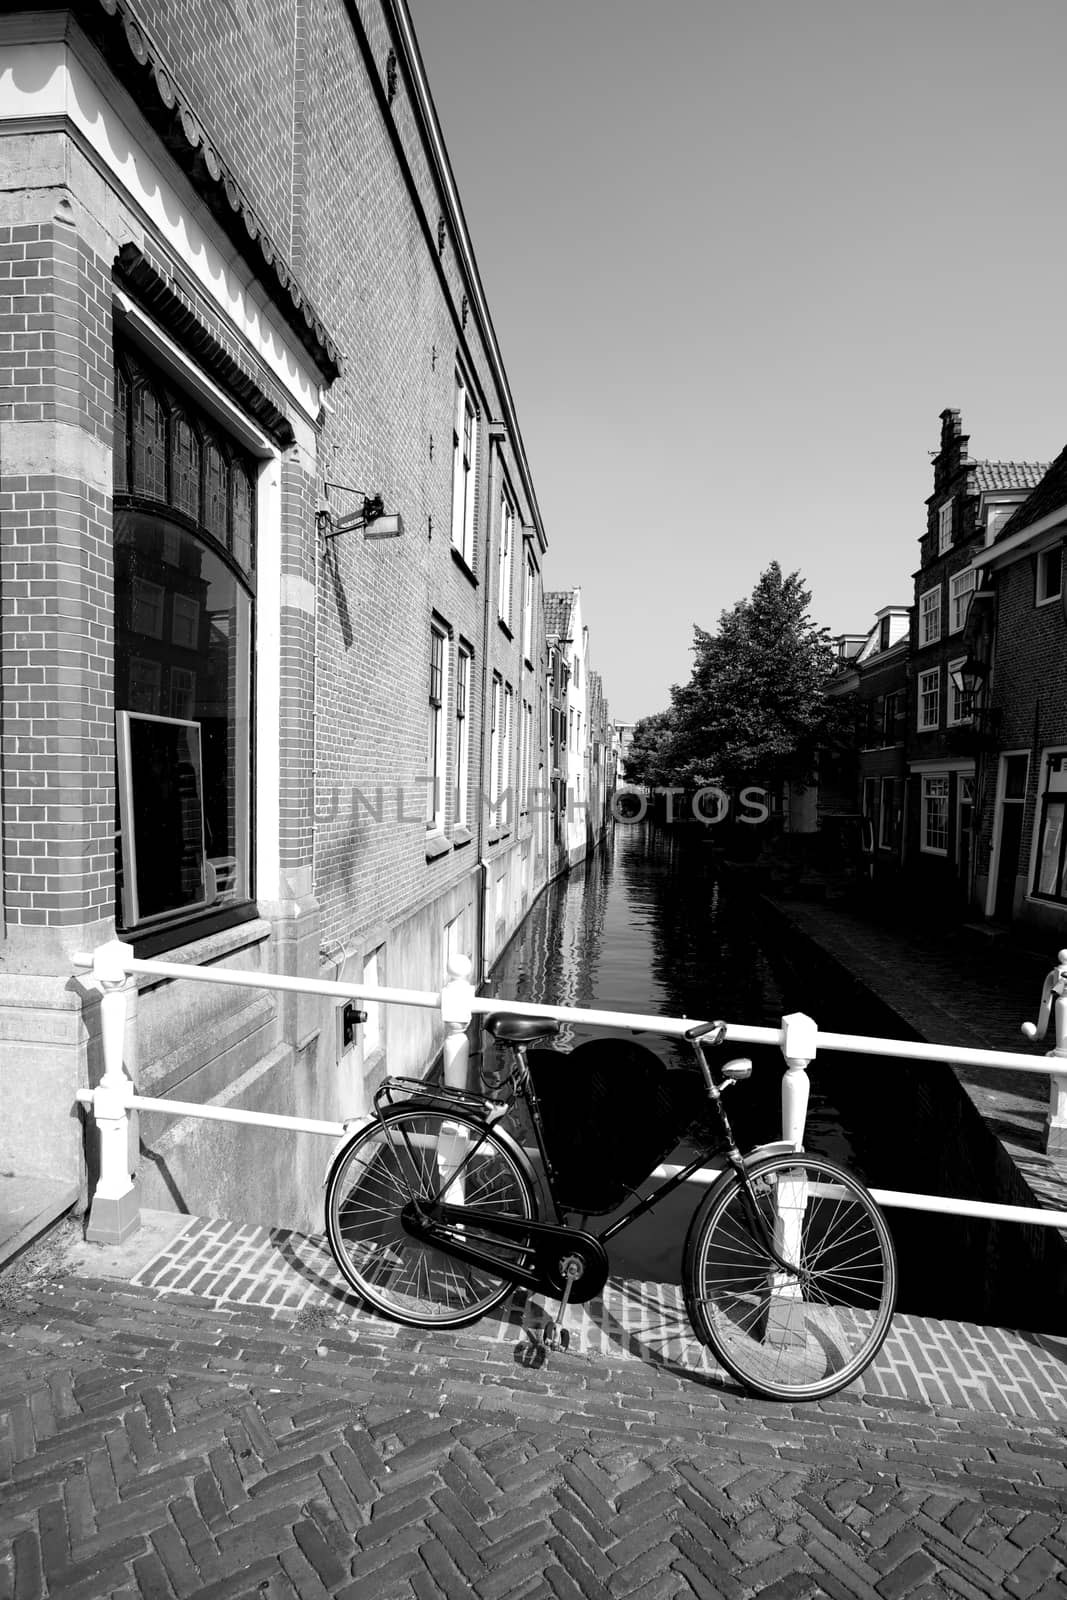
(969, 677)
(371, 516)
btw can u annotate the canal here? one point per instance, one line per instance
(647, 925)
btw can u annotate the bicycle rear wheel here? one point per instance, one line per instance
(800, 1335)
(421, 1153)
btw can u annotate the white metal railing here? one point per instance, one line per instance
(113, 968)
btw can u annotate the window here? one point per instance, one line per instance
(960, 590)
(934, 824)
(995, 520)
(464, 446)
(506, 736)
(527, 762)
(496, 723)
(929, 698)
(930, 616)
(1049, 575)
(463, 734)
(527, 608)
(886, 815)
(892, 710)
(944, 527)
(883, 633)
(1049, 873)
(957, 709)
(507, 536)
(184, 546)
(435, 733)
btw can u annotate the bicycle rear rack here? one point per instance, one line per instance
(393, 1092)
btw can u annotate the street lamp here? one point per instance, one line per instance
(968, 678)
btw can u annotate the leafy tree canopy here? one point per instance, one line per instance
(755, 707)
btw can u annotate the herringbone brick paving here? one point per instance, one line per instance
(159, 1443)
(277, 1270)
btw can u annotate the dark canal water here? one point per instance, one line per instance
(647, 926)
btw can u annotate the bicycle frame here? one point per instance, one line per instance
(443, 1224)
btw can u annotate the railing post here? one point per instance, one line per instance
(114, 1211)
(456, 1013)
(799, 1042)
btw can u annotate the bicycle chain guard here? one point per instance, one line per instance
(445, 1227)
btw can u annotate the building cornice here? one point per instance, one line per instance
(433, 138)
(116, 31)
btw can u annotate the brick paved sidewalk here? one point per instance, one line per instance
(162, 1444)
(233, 1266)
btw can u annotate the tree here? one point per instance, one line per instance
(648, 761)
(755, 708)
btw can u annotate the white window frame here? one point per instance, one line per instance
(930, 616)
(507, 734)
(527, 608)
(464, 469)
(925, 815)
(496, 719)
(437, 737)
(464, 667)
(944, 527)
(929, 687)
(505, 557)
(1051, 791)
(1043, 595)
(961, 587)
(954, 711)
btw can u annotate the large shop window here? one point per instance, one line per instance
(184, 597)
(1050, 877)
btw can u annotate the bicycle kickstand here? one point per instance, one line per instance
(555, 1335)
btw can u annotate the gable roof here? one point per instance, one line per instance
(1049, 495)
(1008, 474)
(558, 606)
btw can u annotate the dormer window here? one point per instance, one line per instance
(944, 528)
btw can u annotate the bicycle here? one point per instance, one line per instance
(433, 1215)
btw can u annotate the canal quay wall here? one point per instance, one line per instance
(927, 1128)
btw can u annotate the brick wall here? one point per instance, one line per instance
(55, 573)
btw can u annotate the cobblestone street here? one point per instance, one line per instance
(166, 1443)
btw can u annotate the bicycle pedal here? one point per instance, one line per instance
(555, 1338)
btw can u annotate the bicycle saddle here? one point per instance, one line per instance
(520, 1030)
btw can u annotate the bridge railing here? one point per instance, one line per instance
(113, 970)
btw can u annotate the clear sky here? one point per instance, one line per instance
(739, 255)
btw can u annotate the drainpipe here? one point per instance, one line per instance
(496, 431)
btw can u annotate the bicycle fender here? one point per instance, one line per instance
(777, 1147)
(352, 1125)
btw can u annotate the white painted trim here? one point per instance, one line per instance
(1038, 773)
(143, 331)
(1001, 553)
(47, 79)
(268, 686)
(935, 764)
(999, 803)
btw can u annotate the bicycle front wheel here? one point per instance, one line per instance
(801, 1334)
(421, 1154)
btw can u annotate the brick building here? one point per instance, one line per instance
(970, 501)
(861, 784)
(1017, 639)
(274, 661)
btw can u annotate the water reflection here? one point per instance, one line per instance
(645, 926)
